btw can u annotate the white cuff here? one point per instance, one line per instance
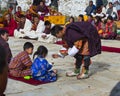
(72, 51)
(62, 56)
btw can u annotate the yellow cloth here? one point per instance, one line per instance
(85, 18)
(1, 25)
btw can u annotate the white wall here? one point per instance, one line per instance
(73, 7)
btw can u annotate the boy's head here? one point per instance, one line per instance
(90, 3)
(4, 34)
(58, 31)
(19, 8)
(47, 24)
(110, 4)
(28, 47)
(22, 18)
(109, 19)
(80, 18)
(35, 19)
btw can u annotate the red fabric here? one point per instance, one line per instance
(108, 28)
(11, 27)
(118, 14)
(60, 42)
(30, 81)
(110, 49)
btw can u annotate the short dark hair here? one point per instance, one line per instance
(22, 16)
(110, 17)
(90, 15)
(28, 45)
(111, 3)
(47, 23)
(3, 31)
(11, 7)
(90, 1)
(72, 18)
(34, 15)
(81, 15)
(56, 29)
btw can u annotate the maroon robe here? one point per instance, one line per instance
(7, 49)
(10, 27)
(83, 30)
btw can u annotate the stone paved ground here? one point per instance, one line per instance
(105, 75)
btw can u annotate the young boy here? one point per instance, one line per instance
(21, 63)
(83, 42)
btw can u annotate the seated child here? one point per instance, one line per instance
(41, 69)
(46, 36)
(21, 63)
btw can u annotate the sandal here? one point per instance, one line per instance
(71, 74)
(82, 76)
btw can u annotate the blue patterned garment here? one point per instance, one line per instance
(41, 70)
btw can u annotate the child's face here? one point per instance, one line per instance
(109, 21)
(29, 50)
(60, 34)
(48, 26)
(79, 18)
(5, 36)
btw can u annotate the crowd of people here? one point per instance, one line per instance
(81, 40)
(31, 24)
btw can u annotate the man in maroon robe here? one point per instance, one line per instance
(3, 42)
(83, 41)
(10, 24)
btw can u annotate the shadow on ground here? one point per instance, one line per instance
(98, 67)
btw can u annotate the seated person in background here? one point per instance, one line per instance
(41, 69)
(98, 25)
(71, 20)
(3, 42)
(110, 29)
(42, 10)
(90, 8)
(90, 19)
(36, 29)
(21, 63)
(100, 11)
(18, 13)
(112, 11)
(3, 70)
(24, 25)
(80, 18)
(9, 11)
(117, 5)
(28, 15)
(10, 24)
(46, 36)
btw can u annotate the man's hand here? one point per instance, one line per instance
(55, 55)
